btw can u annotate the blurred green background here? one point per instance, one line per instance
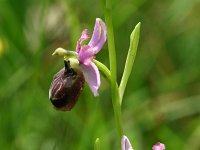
(162, 99)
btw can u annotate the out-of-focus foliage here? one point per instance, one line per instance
(162, 99)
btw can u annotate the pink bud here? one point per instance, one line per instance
(158, 146)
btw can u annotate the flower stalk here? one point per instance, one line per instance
(118, 91)
(113, 69)
(103, 69)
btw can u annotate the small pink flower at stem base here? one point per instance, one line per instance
(158, 146)
(126, 145)
(87, 53)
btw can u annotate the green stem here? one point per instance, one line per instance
(111, 43)
(113, 70)
(103, 69)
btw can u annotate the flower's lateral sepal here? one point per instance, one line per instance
(99, 36)
(92, 77)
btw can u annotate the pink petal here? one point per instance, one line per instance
(158, 146)
(86, 54)
(92, 76)
(126, 145)
(99, 36)
(84, 36)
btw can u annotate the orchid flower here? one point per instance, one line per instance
(86, 54)
(68, 83)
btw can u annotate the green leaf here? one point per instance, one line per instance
(134, 40)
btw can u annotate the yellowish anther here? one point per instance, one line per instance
(60, 52)
(74, 62)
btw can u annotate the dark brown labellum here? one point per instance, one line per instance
(66, 87)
